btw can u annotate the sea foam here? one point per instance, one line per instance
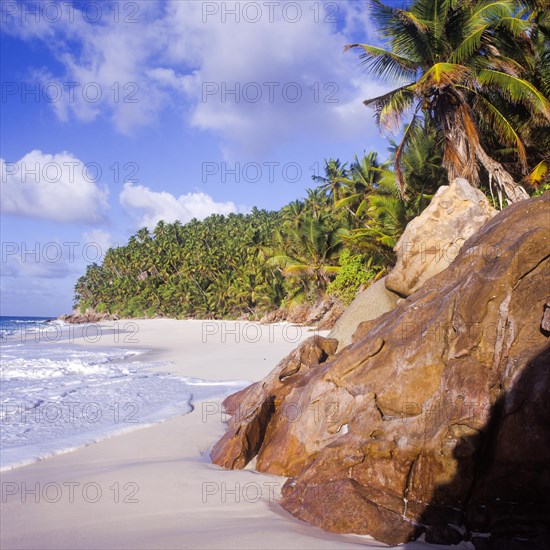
(58, 397)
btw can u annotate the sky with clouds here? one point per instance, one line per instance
(115, 115)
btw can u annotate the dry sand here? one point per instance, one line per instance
(155, 487)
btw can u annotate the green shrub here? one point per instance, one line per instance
(542, 189)
(354, 271)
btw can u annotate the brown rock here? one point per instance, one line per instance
(435, 419)
(323, 314)
(331, 317)
(89, 316)
(432, 240)
(252, 409)
(369, 304)
(275, 316)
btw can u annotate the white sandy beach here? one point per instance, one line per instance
(155, 487)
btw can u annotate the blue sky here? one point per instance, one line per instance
(117, 114)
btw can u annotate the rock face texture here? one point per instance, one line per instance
(432, 240)
(436, 419)
(368, 305)
(262, 407)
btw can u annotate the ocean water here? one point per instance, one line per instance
(13, 325)
(56, 395)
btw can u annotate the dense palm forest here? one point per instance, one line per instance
(337, 238)
(471, 99)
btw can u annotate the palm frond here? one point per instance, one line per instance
(385, 64)
(388, 115)
(516, 90)
(409, 17)
(440, 75)
(329, 269)
(468, 46)
(494, 10)
(406, 30)
(279, 260)
(406, 134)
(347, 201)
(502, 125)
(539, 175)
(298, 269)
(382, 99)
(516, 25)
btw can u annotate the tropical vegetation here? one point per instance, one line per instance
(478, 72)
(471, 99)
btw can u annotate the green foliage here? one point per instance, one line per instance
(101, 308)
(542, 189)
(248, 265)
(478, 72)
(306, 247)
(355, 270)
(132, 308)
(212, 268)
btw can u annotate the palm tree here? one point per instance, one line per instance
(537, 66)
(308, 252)
(448, 53)
(335, 174)
(362, 180)
(316, 202)
(421, 160)
(292, 211)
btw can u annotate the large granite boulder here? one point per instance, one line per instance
(369, 304)
(436, 419)
(252, 409)
(432, 240)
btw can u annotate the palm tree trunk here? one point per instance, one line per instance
(463, 148)
(458, 157)
(514, 191)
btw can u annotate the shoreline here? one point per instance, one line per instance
(155, 487)
(170, 348)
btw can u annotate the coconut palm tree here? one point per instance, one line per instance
(308, 253)
(335, 174)
(447, 55)
(362, 180)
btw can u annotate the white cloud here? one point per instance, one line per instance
(152, 206)
(56, 187)
(54, 259)
(174, 49)
(99, 237)
(40, 267)
(276, 56)
(104, 53)
(44, 259)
